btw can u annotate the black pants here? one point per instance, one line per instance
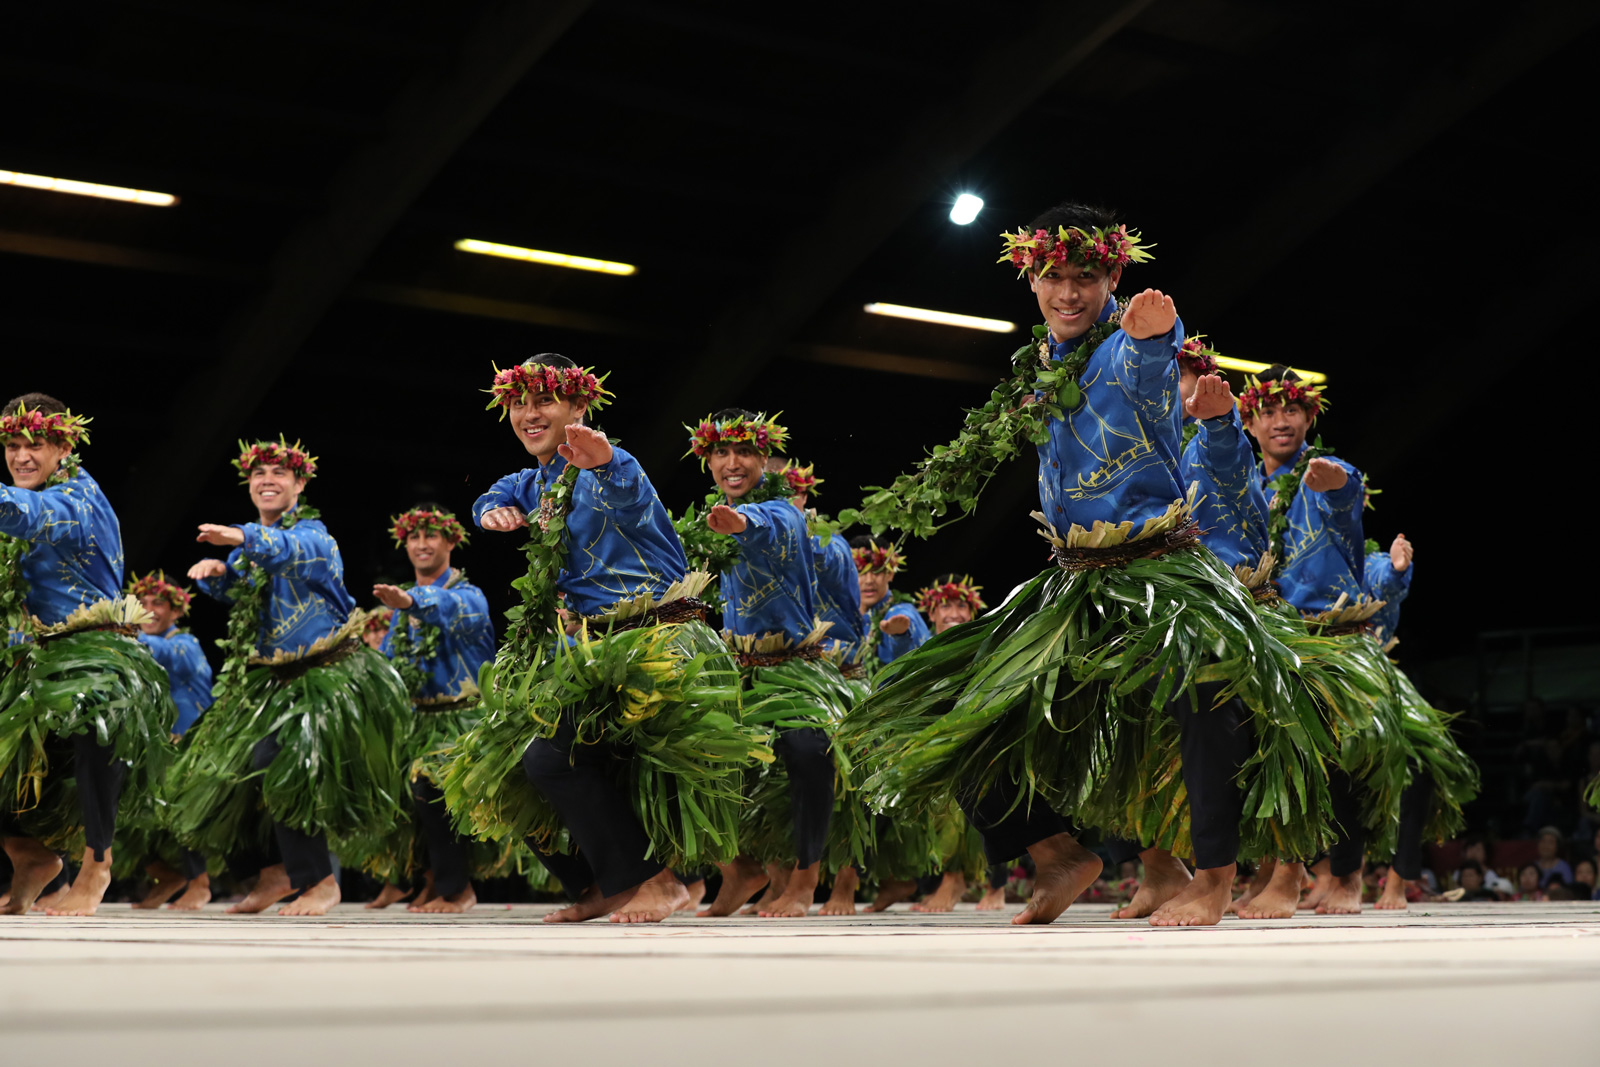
(192, 865)
(810, 767)
(1414, 804)
(611, 843)
(1350, 850)
(574, 872)
(449, 854)
(304, 856)
(999, 874)
(100, 776)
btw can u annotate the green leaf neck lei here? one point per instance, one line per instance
(708, 550)
(13, 586)
(1284, 490)
(534, 620)
(1017, 413)
(875, 617)
(247, 616)
(413, 642)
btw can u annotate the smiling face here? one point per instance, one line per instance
(31, 463)
(429, 552)
(162, 614)
(1280, 429)
(874, 587)
(274, 489)
(540, 421)
(950, 613)
(736, 469)
(1071, 297)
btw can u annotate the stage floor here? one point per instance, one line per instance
(1440, 984)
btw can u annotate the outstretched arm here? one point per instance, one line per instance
(1147, 352)
(58, 515)
(303, 552)
(621, 485)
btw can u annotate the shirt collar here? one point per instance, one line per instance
(1061, 348)
(444, 576)
(1261, 465)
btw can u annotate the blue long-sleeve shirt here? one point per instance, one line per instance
(1115, 456)
(891, 647)
(309, 600)
(188, 673)
(466, 633)
(839, 595)
(620, 540)
(1231, 507)
(1323, 544)
(75, 552)
(772, 587)
(1384, 583)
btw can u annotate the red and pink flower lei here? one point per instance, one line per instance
(277, 453)
(428, 521)
(951, 593)
(63, 429)
(531, 379)
(1039, 251)
(801, 479)
(156, 584)
(378, 620)
(878, 558)
(763, 433)
(1197, 356)
(1279, 391)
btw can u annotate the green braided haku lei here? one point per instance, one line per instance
(13, 586)
(1017, 414)
(1284, 490)
(247, 615)
(413, 642)
(535, 618)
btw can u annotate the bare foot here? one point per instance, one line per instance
(591, 905)
(1259, 882)
(271, 886)
(196, 896)
(389, 894)
(51, 899)
(166, 883)
(1320, 887)
(796, 899)
(1165, 877)
(1344, 898)
(1279, 899)
(993, 900)
(842, 899)
(88, 889)
(453, 905)
(1202, 902)
(697, 892)
(952, 887)
(777, 879)
(424, 894)
(315, 900)
(1394, 893)
(1062, 870)
(890, 893)
(34, 868)
(655, 899)
(741, 880)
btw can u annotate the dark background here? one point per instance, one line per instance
(1391, 193)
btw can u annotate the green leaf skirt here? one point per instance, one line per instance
(663, 699)
(92, 682)
(342, 726)
(1062, 691)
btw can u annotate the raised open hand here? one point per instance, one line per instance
(503, 520)
(212, 534)
(585, 447)
(1324, 476)
(208, 568)
(1213, 396)
(725, 520)
(895, 626)
(392, 596)
(1400, 553)
(1150, 314)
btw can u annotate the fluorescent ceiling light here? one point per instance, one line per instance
(76, 188)
(942, 318)
(1250, 366)
(966, 209)
(552, 259)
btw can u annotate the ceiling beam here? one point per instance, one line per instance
(320, 259)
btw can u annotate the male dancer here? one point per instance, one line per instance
(439, 638)
(891, 623)
(303, 742)
(838, 593)
(81, 677)
(189, 679)
(770, 616)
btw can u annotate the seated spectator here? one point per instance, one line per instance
(1528, 883)
(1583, 880)
(1470, 880)
(1559, 890)
(1478, 852)
(1551, 865)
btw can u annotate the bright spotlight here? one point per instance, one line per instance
(966, 209)
(941, 318)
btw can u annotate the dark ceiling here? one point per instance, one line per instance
(1390, 193)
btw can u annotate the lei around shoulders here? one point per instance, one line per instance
(247, 615)
(14, 613)
(413, 642)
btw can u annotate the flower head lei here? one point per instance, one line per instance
(379, 620)
(1281, 391)
(801, 479)
(429, 522)
(1039, 251)
(764, 434)
(957, 592)
(156, 584)
(1197, 356)
(63, 429)
(878, 559)
(277, 453)
(532, 378)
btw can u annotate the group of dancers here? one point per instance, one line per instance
(1199, 677)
